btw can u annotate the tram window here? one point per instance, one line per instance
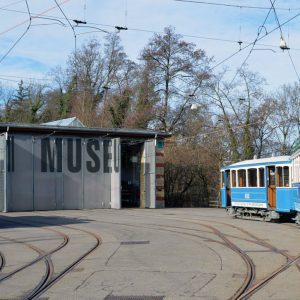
(242, 178)
(252, 177)
(233, 178)
(272, 176)
(286, 176)
(261, 177)
(279, 177)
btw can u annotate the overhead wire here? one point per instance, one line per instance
(258, 39)
(151, 31)
(192, 36)
(59, 22)
(92, 27)
(125, 14)
(288, 50)
(276, 17)
(71, 26)
(253, 44)
(33, 16)
(233, 5)
(21, 77)
(21, 36)
(84, 11)
(11, 4)
(293, 64)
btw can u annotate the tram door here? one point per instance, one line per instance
(271, 187)
(227, 185)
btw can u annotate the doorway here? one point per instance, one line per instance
(227, 185)
(271, 187)
(130, 173)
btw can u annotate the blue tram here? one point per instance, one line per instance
(262, 188)
(296, 182)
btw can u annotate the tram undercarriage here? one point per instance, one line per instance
(297, 218)
(253, 214)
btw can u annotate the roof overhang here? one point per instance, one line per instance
(84, 131)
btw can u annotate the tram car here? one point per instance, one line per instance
(264, 189)
(296, 181)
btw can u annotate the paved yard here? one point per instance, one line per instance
(146, 254)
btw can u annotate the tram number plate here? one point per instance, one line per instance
(247, 196)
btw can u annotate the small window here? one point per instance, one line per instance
(252, 177)
(279, 177)
(272, 181)
(261, 177)
(286, 176)
(242, 178)
(233, 178)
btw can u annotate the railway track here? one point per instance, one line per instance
(49, 279)
(69, 268)
(250, 284)
(250, 276)
(41, 257)
(256, 287)
(248, 288)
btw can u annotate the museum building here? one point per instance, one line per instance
(64, 165)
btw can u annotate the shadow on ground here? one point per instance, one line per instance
(15, 221)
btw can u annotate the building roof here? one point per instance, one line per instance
(260, 161)
(70, 122)
(82, 131)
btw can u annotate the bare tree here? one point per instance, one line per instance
(177, 70)
(262, 128)
(235, 103)
(285, 118)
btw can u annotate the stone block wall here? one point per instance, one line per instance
(159, 177)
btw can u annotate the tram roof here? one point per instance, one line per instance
(260, 161)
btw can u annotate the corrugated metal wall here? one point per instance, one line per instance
(48, 173)
(2, 171)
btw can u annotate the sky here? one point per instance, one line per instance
(213, 28)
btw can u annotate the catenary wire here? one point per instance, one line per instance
(72, 27)
(151, 31)
(233, 5)
(276, 16)
(20, 38)
(11, 4)
(293, 65)
(250, 44)
(33, 16)
(20, 77)
(212, 38)
(254, 43)
(288, 50)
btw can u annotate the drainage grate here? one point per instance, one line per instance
(135, 242)
(110, 297)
